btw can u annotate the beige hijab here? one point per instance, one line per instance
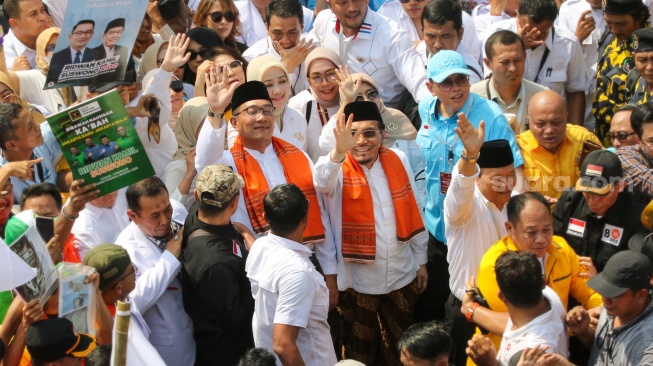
(38, 116)
(255, 70)
(41, 44)
(323, 53)
(148, 61)
(397, 125)
(191, 117)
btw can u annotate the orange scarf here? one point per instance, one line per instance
(358, 226)
(297, 170)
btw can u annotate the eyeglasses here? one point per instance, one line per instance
(318, 79)
(447, 84)
(83, 33)
(115, 32)
(203, 53)
(621, 136)
(368, 134)
(50, 48)
(133, 271)
(370, 95)
(230, 16)
(177, 86)
(254, 111)
(235, 65)
(8, 98)
(407, 1)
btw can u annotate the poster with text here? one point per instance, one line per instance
(31, 248)
(100, 143)
(95, 43)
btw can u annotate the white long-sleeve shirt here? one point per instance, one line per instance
(210, 150)
(395, 264)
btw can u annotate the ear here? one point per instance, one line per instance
(196, 195)
(508, 226)
(131, 214)
(460, 34)
(234, 122)
(487, 63)
(382, 137)
(265, 217)
(11, 145)
(13, 23)
(501, 297)
(621, 185)
(430, 87)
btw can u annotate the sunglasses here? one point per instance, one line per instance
(204, 53)
(371, 95)
(447, 84)
(230, 16)
(368, 134)
(621, 136)
(177, 86)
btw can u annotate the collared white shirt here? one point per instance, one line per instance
(472, 225)
(210, 150)
(109, 51)
(548, 329)
(298, 79)
(380, 49)
(393, 10)
(288, 290)
(252, 25)
(564, 70)
(319, 117)
(475, 69)
(395, 264)
(483, 20)
(97, 225)
(294, 129)
(14, 48)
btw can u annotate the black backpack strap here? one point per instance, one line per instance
(631, 80)
(475, 72)
(309, 109)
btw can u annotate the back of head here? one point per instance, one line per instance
(502, 37)
(148, 187)
(100, 356)
(41, 189)
(9, 112)
(426, 341)
(517, 203)
(257, 357)
(642, 115)
(285, 207)
(110, 261)
(438, 12)
(284, 9)
(538, 10)
(519, 276)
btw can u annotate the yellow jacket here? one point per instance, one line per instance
(548, 173)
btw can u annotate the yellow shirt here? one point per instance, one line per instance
(548, 173)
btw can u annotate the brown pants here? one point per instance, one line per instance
(375, 323)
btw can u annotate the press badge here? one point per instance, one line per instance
(445, 181)
(576, 227)
(612, 234)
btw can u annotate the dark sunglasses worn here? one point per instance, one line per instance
(407, 1)
(230, 16)
(177, 86)
(204, 53)
(621, 136)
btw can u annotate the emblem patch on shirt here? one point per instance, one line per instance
(299, 136)
(576, 227)
(237, 249)
(628, 64)
(612, 234)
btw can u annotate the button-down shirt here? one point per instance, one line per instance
(483, 20)
(288, 290)
(473, 224)
(395, 264)
(253, 26)
(319, 116)
(475, 70)
(638, 169)
(381, 49)
(441, 148)
(14, 48)
(210, 150)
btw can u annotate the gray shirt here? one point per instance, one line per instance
(629, 344)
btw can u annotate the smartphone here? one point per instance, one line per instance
(45, 227)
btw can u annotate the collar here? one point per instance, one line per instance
(268, 150)
(19, 46)
(551, 251)
(647, 311)
(289, 244)
(271, 49)
(365, 30)
(521, 94)
(466, 108)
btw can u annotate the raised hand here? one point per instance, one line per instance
(529, 35)
(293, 57)
(176, 55)
(585, 26)
(347, 85)
(497, 7)
(79, 196)
(218, 91)
(471, 138)
(345, 141)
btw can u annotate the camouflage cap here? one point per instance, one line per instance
(109, 260)
(218, 184)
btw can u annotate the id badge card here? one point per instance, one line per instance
(445, 181)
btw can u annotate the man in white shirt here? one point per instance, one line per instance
(291, 297)
(371, 43)
(153, 242)
(536, 314)
(252, 14)
(474, 217)
(381, 238)
(284, 22)
(488, 13)
(554, 57)
(27, 19)
(77, 52)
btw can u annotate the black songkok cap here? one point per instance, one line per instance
(118, 22)
(363, 111)
(495, 154)
(621, 7)
(251, 90)
(643, 40)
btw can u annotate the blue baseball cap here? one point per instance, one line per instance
(444, 64)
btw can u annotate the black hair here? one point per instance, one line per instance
(84, 21)
(9, 112)
(103, 136)
(11, 9)
(439, 12)
(148, 187)
(100, 356)
(210, 210)
(426, 341)
(284, 9)
(257, 357)
(41, 189)
(642, 115)
(538, 10)
(503, 37)
(285, 206)
(519, 276)
(630, 107)
(516, 205)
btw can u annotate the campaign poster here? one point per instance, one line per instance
(100, 143)
(31, 248)
(95, 43)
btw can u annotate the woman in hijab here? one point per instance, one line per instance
(152, 59)
(222, 17)
(322, 100)
(180, 173)
(203, 42)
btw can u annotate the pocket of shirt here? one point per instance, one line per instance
(534, 179)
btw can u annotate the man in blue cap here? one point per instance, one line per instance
(449, 103)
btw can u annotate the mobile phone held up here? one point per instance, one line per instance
(45, 227)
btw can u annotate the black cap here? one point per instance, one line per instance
(51, 339)
(495, 154)
(624, 271)
(251, 90)
(118, 22)
(363, 111)
(643, 40)
(97, 87)
(621, 7)
(599, 171)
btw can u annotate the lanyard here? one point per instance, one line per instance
(451, 145)
(545, 55)
(323, 114)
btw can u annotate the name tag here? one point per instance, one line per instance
(612, 234)
(576, 227)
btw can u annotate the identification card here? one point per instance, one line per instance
(612, 234)
(445, 181)
(576, 227)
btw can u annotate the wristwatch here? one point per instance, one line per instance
(470, 160)
(470, 312)
(210, 113)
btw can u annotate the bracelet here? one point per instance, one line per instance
(66, 216)
(470, 312)
(471, 160)
(210, 113)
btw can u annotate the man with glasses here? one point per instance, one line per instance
(263, 161)
(637, 160)
(379, 230)
(110, 48)
(450, 102)
(621, 131)
(77, 52)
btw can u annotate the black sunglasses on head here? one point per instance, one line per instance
(230, 16)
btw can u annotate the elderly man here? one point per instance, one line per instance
(442, 148)
(552, 148)
(380, 233)
(529, 228)
(623, 334)
(506, 59)
(621, 131)
(599, 216)
(641, 76)
(636, 159)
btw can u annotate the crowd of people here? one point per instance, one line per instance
(355, 182)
